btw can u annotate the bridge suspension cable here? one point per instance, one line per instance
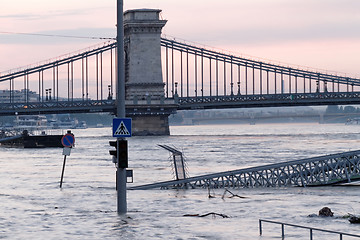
(279, 79)
(194, 76)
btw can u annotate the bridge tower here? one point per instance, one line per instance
(142, 31)
(143, 73)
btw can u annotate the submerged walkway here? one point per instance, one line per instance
(316, 171)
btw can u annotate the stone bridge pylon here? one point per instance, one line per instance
(143, 72)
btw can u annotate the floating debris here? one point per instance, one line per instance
(326, 212)
(354, 219)
(232, 194)
(207, 214)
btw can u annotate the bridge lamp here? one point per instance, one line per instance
(49, 94)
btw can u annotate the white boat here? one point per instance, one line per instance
(30, 123)
(65, 122)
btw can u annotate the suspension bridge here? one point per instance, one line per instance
(162, 76)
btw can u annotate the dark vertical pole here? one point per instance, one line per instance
(309, 84)
(195, 75)
(172, 71)
(54, 82)
(210, 77)
(72, 80)
(267, 81)
(333, 86)
(167, 70)
(57, 82)
(62, 172)
(231, 78)
(224, 77)
(275, 81)
(261, 79)
(289, 80)
(111, 72)
(304, 83)
(11, 90)
(82, 79)
(187, 73)
(97, 76)
(282, 82)
(68, 88)
(217, 76)
(120, 99)
(202, 74)
(318, 86)
(296, 84)
(181, 73)
(42, 84)
(253, 76)
(24, 88)
(246, 79)
(239, 73)
(28, 88)
(87, 78)
(39, 86)
(101, 76)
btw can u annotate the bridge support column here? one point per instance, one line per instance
(150, 125)
(143, 73)
(150, 117)
(142, 36)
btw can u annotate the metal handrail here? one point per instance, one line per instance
(341, 234)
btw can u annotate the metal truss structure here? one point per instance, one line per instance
(269, 100)
(316, 171)
(90, 106)
(194, 77)
(178, 162)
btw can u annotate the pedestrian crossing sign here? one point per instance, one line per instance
(122, 127)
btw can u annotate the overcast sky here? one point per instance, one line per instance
(320, 34)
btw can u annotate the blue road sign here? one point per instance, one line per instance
(122, 127)
(68, 140)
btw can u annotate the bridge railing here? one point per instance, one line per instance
(322, 170)
(269, 100)
(311, 229)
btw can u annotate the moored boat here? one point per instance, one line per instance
(29, 132)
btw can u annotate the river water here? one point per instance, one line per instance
(33, 206)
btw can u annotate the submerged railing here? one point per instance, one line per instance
(315, 171)
(311, 229)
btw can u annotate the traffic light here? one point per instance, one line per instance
(113, 152)
(120, 154)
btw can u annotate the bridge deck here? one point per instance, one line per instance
(323, 170)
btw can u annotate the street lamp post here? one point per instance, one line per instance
(120, 110)
(49, 94)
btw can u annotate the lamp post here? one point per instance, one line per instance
(120, 110)
(49, 94)
(110, 95)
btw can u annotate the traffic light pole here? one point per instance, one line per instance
(120, 110)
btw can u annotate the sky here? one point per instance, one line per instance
(321, 34)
